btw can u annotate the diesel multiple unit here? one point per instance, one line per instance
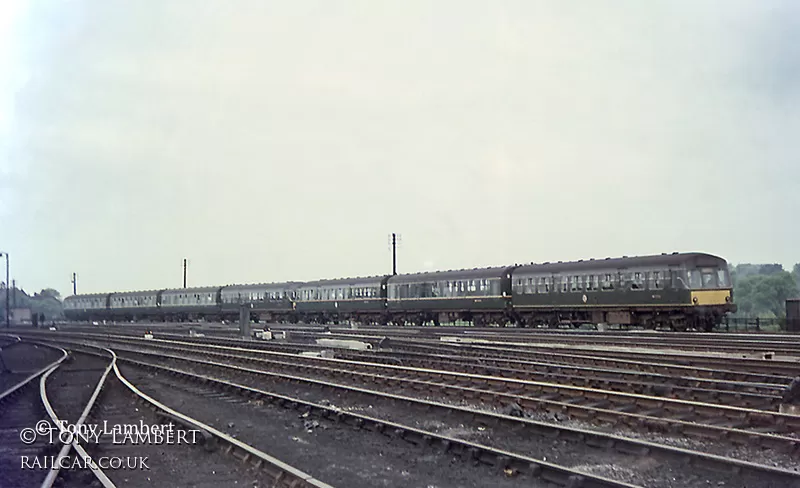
(678, 290)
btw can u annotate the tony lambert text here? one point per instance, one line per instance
(131, 434)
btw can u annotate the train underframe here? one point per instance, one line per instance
(703, 318)
(678, 319)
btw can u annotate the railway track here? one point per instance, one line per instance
(21, 408)
(549, 395)
(511, 469)
(740, 393)
(508, 359)
(38, 427)
(738, 416)
(160, 356)
(779, 370)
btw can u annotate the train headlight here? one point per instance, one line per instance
(694, 300)
(727, 299)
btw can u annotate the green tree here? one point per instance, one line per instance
(50, 293)
(765, 294)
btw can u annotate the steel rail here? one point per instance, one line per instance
(436, 348)
(502, 398)
(745, 417)
(590, 437)
(65, 449)
(10, 391)
(282, 474)
(481, 453)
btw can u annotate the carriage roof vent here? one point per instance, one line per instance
(624, 257)
(580, 260)
(676, 252)
(560, 262)
(663, 254)
(607, 259)
(546, 262)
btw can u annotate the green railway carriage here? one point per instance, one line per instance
(358, 299)
(91, 306)
(271, 302)
(133, 305)
(678, 290)
(478, 295)
(675, 290)
(190, 304)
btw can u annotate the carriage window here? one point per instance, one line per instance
(574, 283)
(564, 284)
(638, 281)
(709, 279)
(722, 278)
(623, 277)
(544, 284)
(530, 286)
(695, 280)
(656, 280)
(592, 282)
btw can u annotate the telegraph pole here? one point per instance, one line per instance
(184, 272)
(14, 287)
(8, 290)
(394, 253)
(74, 283)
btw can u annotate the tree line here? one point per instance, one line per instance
(761, 290)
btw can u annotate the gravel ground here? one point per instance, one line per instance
(16, 414)
(650, 471)
(339, 455)
(26, 358)
(169, 465)
(7, 380)
(70, 387)
(769, 457)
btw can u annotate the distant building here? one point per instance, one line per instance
(21, 316)
(793, 314)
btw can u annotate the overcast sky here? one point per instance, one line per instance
(271, 141)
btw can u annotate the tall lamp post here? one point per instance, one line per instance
(8, 303)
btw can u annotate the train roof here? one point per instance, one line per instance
(134, 293)
(456, 274)
(694, 259)
(201, 289)
(87, 295)
(260, 286)
(354, 281)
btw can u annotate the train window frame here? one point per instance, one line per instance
(656, 279)
(711, 274)
(690, 275)
(722, 278)
(544, 284)
(638, 280)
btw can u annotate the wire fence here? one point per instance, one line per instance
(759, 324)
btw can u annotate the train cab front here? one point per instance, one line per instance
(711, 290)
